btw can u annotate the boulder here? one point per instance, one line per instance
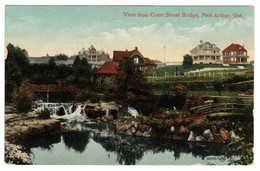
(143, 128)
(233, 136)
(146, 134)
(224, 134)
(200, 138)
(208, 136)
(92, 110)
(192, 136)
(139, 133)
(61, 111)
(128, 132)
(133, 130)
(104, 119)
(183, 130)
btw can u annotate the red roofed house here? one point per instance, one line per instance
(235, 54)
(143, 63)
(109, 68)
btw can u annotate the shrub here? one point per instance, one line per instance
(14, 155)
(45, 114)
(23, 97)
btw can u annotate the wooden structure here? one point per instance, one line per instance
(220, 109)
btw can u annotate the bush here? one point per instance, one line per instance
(23, 98)
(45, 114)
(14, 155)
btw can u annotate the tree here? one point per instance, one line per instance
(187, 60)
(80, 80)
(130, 88)
(23, 97)
(61, 57)
(16, 69)
(76, 61)
(52, 62)
(219, 86)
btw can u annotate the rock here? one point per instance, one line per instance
(92, 110)
(200, 138)
(139, 133)
(214, 129)
(61, 111)
(208, 136)
(233, 136)
(183, 130)
(135, 124)
(146, 134)
(192, 136)
(104, 119)
(128, 132)
(128, 126)
(133, 130)
(224, 134)
(143, 128)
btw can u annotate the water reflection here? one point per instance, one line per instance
(76, 140)
(128, 149)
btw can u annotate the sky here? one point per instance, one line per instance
(51, 30)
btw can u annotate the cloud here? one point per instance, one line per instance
(203, 28)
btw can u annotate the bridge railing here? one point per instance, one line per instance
(220, 109)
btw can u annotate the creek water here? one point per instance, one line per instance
(99, 144)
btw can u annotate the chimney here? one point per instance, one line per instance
(126, 50)
(136, 48)
(201, 42)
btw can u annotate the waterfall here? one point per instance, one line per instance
(77, 116)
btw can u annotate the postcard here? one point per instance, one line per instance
(129, 85)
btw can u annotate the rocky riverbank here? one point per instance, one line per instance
(214, 134)
(23, 126)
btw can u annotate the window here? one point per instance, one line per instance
(136, 60)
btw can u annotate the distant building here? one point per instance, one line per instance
(144, 64)
(93, 55)
(45, 60)
(235, 54)
(206, 53)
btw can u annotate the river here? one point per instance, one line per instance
(99, 144)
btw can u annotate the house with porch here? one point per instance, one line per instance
(235, 54)
(206, 53)
(144, 64)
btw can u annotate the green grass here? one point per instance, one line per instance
(171, 70)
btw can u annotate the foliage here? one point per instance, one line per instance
(61, 57)
(179, 90)
(130, 88)
(219, 86)
(245, 150)
(44, 114)
(16, 69)
(187, 60)
(193, 101)
(23, 97)
(76, 61)
(52, 62)
(14, 154)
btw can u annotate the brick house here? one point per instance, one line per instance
(235, 54)
(144, 64)
(206, 53)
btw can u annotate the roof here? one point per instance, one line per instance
(205, 45)
(109, 68)
(234, 47)
(122, 55)
(150, 62)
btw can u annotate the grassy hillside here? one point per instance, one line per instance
(171, 70)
